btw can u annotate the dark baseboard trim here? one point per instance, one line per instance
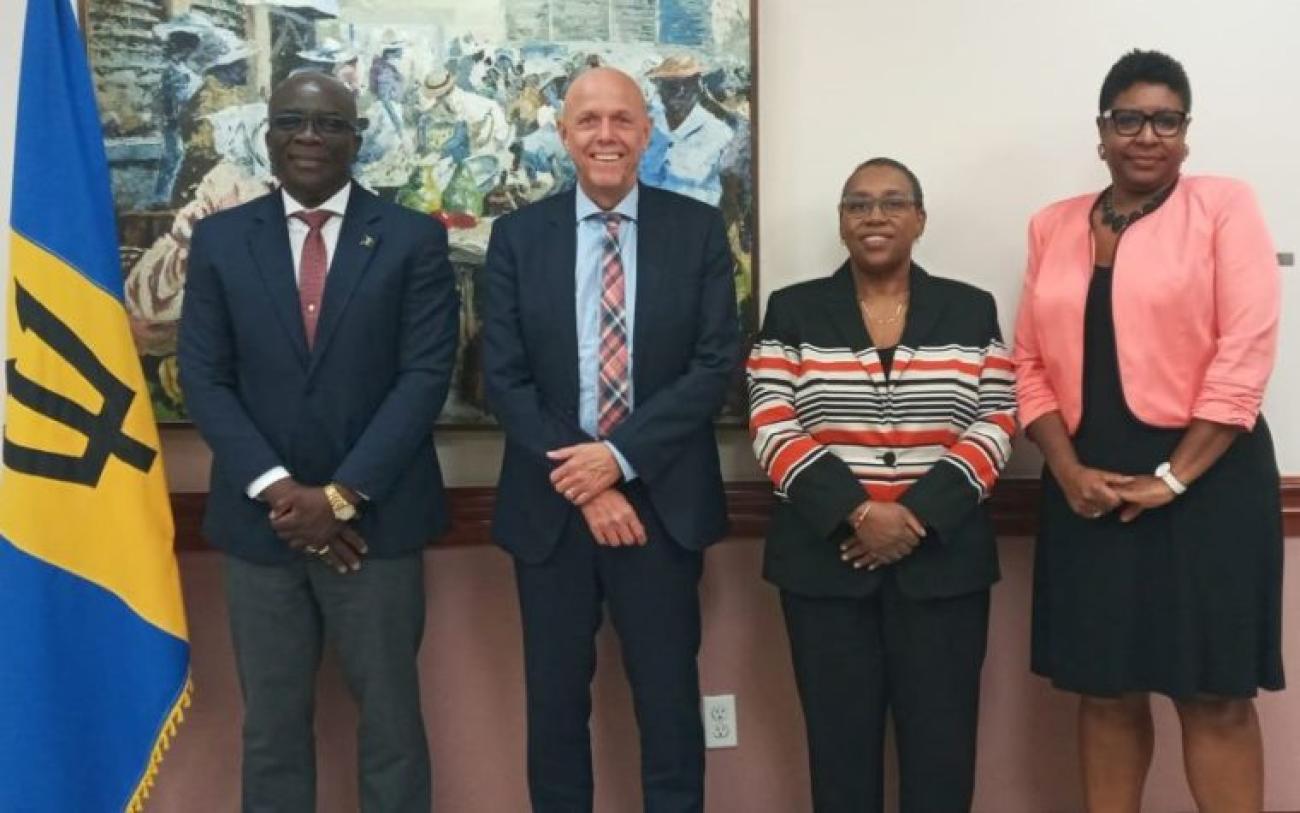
(749, 507)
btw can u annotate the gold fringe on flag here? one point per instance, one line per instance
(164, 740)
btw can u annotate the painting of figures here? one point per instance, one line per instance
(461, 101)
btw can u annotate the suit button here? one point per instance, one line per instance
(889, 458)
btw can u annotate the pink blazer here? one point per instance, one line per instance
(1196, 301)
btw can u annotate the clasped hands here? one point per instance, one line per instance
(1093, 493)
(302, 517)
(585, 476)
(887, 533)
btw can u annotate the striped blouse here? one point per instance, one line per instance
(830, 427)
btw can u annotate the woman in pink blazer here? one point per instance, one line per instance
(1146, 334)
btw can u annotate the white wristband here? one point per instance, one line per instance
(1166, 473)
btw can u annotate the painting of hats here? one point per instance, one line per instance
(436, 84)
(188, 24)
(680, 66)
(328, 52)
(391, 41)
(221, 47)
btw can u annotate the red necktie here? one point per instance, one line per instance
(612, 404)
(311, 270)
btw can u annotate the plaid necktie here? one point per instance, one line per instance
(612, 404)
(311, 270)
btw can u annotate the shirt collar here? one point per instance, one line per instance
(585, 207)
(336, 204)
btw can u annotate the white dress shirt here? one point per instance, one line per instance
(337, 205)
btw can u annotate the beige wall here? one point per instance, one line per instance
(991, 104)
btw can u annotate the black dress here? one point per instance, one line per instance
(1187, 599)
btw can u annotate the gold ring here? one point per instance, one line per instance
(319, 551)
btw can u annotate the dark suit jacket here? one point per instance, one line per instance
(951, 325)
(685, 349)
(359, 407)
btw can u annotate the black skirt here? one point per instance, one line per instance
(1187, 599)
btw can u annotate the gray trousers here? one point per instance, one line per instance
(280, 618)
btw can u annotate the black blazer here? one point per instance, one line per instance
(829, 427)
(358, 408)
(685, 349)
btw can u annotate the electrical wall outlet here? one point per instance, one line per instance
(719, 713)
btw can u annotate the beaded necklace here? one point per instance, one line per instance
(1118, 222)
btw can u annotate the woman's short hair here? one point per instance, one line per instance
(917, 197)
(1145, 67)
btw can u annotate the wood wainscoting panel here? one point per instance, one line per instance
(749, 508)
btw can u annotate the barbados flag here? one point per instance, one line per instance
(94, 659)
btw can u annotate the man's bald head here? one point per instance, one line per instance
(324, 83)
(605, 127)
(605, 79)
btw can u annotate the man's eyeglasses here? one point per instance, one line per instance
(891, 206)
(1164, 123)
(292, 123)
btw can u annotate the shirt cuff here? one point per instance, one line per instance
(629, 473)
(259, 485)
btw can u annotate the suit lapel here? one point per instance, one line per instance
(358, 241)
(268, 243)
(653, 232)
(845, 318)
(842, 312)
(560, 287)
(923, 311)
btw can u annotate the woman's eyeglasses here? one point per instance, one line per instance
(892, 206)
(1164, 123)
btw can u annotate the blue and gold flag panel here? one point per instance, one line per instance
(95, 672)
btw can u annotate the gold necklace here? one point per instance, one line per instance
(896, 316)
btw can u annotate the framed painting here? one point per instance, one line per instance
(461, 98)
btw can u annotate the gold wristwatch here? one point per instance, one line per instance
(344, 511)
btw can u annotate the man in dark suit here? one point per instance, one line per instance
(610, 336)
(316, 348)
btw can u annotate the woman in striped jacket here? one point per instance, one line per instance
(882, 409)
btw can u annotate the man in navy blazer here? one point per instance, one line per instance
(610, 337)
(316, 348)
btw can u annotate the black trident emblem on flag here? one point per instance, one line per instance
(103, 430)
